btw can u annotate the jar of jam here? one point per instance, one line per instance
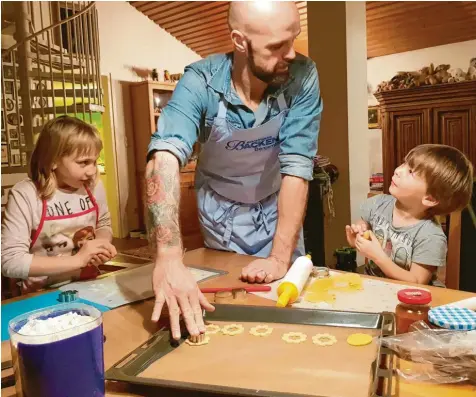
(413, 307)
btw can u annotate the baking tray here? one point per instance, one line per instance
(129, 368)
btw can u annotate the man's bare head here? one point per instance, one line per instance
(264, 33)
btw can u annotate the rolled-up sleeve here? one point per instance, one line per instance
(300, 130)
(179, 122)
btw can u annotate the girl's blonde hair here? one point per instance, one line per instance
(60, 137)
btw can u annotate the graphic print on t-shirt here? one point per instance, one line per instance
(398, 246)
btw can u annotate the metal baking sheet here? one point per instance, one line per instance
(130, 368)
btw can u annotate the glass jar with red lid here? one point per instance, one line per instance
(414, 306)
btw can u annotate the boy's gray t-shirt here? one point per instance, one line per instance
(423, 243)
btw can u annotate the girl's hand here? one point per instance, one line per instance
(370, 248)
(92, 249)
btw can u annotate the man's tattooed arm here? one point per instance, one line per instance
(163, 200)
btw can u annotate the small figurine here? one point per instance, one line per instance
(166, 75)
(471, 75)
(175, 77)
(155, 75)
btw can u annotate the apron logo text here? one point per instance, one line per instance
(257, 145)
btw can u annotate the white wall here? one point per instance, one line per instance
(356, 39)
(383, 68)
(128, 38)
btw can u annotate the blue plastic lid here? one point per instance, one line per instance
(453, 318)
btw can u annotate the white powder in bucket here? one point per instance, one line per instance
(38, 331)
(54, 324)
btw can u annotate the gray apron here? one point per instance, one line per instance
(238, 180)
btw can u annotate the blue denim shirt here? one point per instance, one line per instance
(190, 113)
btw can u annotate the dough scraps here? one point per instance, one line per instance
(322, 290)
(324, 339)
(212, 329)
(294, 337)
(261, 330)
(320, 296)
(232, 329)
(359, 339)
(205, 341)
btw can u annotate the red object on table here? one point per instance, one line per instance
(254, 288)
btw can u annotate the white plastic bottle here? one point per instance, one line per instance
(294, 281)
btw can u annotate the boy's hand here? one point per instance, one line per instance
(352, 231)
(370, 248)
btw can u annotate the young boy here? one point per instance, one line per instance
(406, 242)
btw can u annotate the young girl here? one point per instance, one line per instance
(56, 224)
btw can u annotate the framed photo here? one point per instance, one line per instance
(24, 159)
(13, 133)
(8, 57)
(8, 72)
(4, 154)
(22, 139)
(373, 117)
(9, 104)
(12, 119)
(3, 121)
(9, 87)
(16, 157)
(14, 144)
(4, 137)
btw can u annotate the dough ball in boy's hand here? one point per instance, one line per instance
(366, 235)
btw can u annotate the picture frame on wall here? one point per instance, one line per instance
(14, 144)
(5, 154)
(9, 87)
(22, 139)
(16, 157)
(8, 72)
(24, 161)
(373, 117)
(3, 120)
(13, 133)
(4, 137)
(9, 104)
(7, 58)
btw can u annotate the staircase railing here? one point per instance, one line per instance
(52, 68)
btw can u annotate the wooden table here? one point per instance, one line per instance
(129, 326)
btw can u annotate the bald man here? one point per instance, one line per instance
(256, 113)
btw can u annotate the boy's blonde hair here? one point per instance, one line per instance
(448, 174)
(60, 137)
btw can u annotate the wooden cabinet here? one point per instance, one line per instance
(147, 98)
(444, 113)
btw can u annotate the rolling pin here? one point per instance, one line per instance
(294, 281)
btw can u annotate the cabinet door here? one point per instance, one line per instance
(455, 126)
(402, 131)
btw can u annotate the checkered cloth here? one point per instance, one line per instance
(453, 318)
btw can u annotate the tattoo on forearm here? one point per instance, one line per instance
(163, 198)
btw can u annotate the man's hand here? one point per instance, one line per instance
(174, 284)
(370, 248)
(264, 270)
(353, 231)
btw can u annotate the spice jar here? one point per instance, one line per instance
(413, 307)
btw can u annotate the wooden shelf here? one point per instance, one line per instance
(144, 125)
